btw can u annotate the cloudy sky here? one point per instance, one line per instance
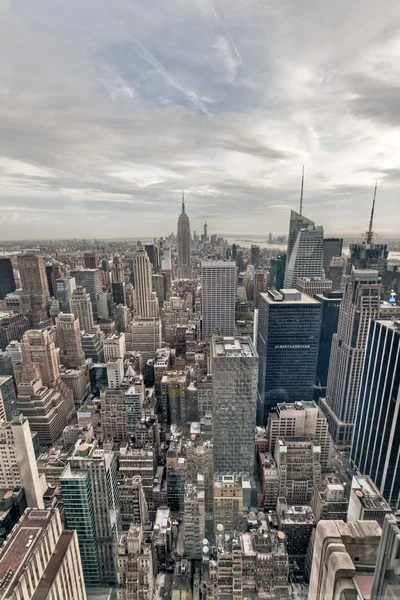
(109, 108)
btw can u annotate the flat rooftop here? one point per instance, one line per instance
(233, 347)
(210, 264)
(303, 299)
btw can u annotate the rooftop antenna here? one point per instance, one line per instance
(183, 202)
(301, 194)
(370, 233)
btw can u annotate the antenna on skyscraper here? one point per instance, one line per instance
(370, 233)
(301, 194)
(183, 202)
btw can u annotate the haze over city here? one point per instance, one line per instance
(108, 111)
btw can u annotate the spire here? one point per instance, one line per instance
(301, 194)
(370, 233)
(183, 202)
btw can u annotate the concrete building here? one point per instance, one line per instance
(144, 336)
(7, 281)
(77, 380)
(297, 523)
(195, 521)
(375, 448)
(301, 419)
(91, 502)
(139, 462)
(230, 495)
(344, 559)
(313, 285)
(133, 502)
(40, 560)
(387, 577)
(146, 299)
(306, 256)
(218, 283)
(234, 368)
(115, 372)
(114, 346)
(18, 462)
(205, 395)
(92, 344)
(289, 326)
(69, 341)
(173, 397)
(35, 292)
(366, 503)
(360, 304)
(134, 402)
(329, 500)
(135, 569)
(113, 415)
(270, 479)
(81, 307)
(162, 538)
(298, 460)
(260, 286)
(90, 260)
(38, 348)
(64, 289)
(14, 351)
(174, 313)
(12, 327)
(91, 280)
(184, 243)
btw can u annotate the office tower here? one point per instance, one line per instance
(331, 302)
(205, 395)
(135, 578)
(90, 260)
(8, 397)
(133, 503)
(255, 256)
(77, 380)
(54, 271)
(157, 282)
(134, 401)
(205, 236)
(92, 344)
(162, 538)
(35, 292)
(144, 336)
(153, 253)
(113, 415)
(41, 561)
(365, 502)
(260, 286)
(14, 351)
(13, 301)
(289, 325)
(344, 559)
(18, 462)
(82, 308)
(69, 341)
(173, 397)
(218, 281)
(115, 372)
(118, 271)
(146, 299)
(375, 448)
(118, 292)
(359, 306)
(90, 492)
(306, 257)
(277, 271)
(173, 313)
(329, 501)
(12, 327)
(38, 348)
(313, 285)
(122, 317)
(91, 280)
(195, 521)
(299, 419)
(333, 247)
(298, 460)
(239, 259)
(139, 462)
(228, 502)
(114, 346)
(234, 368)
(297, 222)
(7, 281)
(6, 364)
(387, 577)
(63, 292)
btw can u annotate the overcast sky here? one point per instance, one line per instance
(109, 108)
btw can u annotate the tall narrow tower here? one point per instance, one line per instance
(184, 251)
(146, 299)
(35, 291)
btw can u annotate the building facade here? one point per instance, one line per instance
(184, 245)
(218, 293)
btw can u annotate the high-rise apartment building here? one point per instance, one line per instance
(195, 521)
(40, 560)
(69, 341)
(234, 368)
(331, 302)
(306, 256)
(7, 281)
(81, 307)
(132, 501)
(144, 336)
(289, 325)
(298, 460)
(35, 291)
(376, 440)
(90, 492)
(146, 299)
(360, 304)
(91, 280)
(113, 415)
(135, 571)
(218, 283)
(38, 348)
(12, 327)
(63, 292)
(114, 346)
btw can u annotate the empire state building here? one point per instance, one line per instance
(184, 252)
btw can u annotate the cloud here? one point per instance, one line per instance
(106, 113)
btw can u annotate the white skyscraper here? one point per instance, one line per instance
(306, 258)
(82, 308)
(218, 280)
(184, 252)
(146, 299)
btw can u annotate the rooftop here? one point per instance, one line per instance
(233, 347)
(294, 297)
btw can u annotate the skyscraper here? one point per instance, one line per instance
(255, 256)
(234, 368)
(7, 281)
(81, 307)
(64, 289)
(288, 340)
(277, 271)
(38, 348)
(332, 247)
(35, 292)
(90, 260)
(146, 299)
(69, 340)
(218, 281)
(306, 257)
(359, 306)
(297, 222)
(118, 274)
(376, 440)
(330, 317)
(184, 251)
(259, 286)
(91, 280)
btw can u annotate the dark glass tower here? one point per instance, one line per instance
(330, 316)
(7, 281)
(376, 441)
